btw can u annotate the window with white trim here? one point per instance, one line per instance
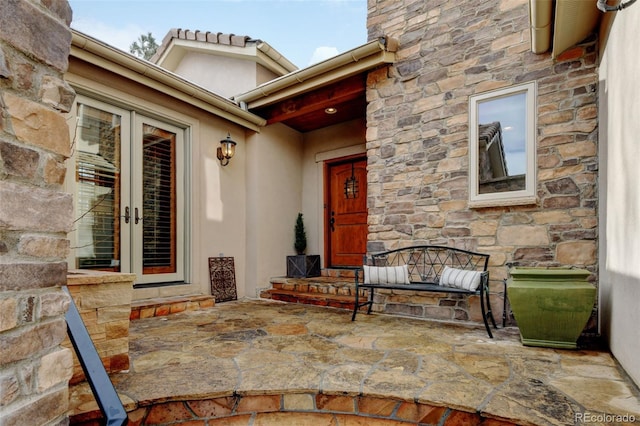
(502, 147)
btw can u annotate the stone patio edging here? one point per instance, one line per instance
(292, 408)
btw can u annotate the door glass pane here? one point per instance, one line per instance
(159, 201)
(98, 189)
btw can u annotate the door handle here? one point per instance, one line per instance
(137, 218)
(127, 214)
(332, 222)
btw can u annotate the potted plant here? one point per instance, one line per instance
(300, 244)
(302, 265)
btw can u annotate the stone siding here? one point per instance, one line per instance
(417, 142)
(35, 213)
(103, 300)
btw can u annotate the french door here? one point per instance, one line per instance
(130, 193)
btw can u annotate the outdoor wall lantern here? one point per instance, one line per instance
(226, 150)
(351, 185)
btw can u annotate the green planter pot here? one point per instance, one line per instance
(551, 305)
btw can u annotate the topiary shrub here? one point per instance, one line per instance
(300, 243)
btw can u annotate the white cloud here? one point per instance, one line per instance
(120, 37)
(321, 53)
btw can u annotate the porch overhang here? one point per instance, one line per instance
(347, 64)
(299, 99)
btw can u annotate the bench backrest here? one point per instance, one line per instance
(425, 263)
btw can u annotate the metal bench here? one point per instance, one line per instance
(426, 266)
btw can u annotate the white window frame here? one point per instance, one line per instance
(518, 197)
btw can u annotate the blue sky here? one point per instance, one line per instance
(511, 112)
(304, 31)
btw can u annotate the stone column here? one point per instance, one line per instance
(35, 213)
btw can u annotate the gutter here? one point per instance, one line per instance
(275, 56)
(338, 67)
(561, 24)
(540, 16)
(157, 78)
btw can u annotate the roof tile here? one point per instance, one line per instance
(203, 36)
(224, 38)
(239, 40)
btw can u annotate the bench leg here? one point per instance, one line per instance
(484, 310)
(356, 306)
(489, 310)
(359, 305)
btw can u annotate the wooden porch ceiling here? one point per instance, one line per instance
(306, 112)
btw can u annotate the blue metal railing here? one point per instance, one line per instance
(104, 392)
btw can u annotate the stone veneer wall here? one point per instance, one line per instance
(35, 213)
(103, 300)
(417, 141)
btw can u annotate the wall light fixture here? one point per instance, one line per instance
(226, 150)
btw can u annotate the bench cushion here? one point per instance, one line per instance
(460, 278)
(386, 274)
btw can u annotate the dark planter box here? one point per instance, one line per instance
(302, 265)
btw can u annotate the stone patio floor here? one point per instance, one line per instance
(379, 370)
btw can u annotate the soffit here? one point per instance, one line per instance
(307, 111)
(300, 99)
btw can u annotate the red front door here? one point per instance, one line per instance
(346, 216)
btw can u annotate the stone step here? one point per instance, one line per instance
(334, 289)
(347, 273)
(159, 307)
(322, 285)
(318, 299)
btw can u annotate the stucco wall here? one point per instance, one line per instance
(239, 75)
(417, 137)
(619, 104)
(274, 198)
(218, 194)
(284, 177)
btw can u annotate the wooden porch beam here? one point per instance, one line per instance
(330, 96)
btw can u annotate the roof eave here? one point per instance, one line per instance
(275, 59)
(148, 74)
